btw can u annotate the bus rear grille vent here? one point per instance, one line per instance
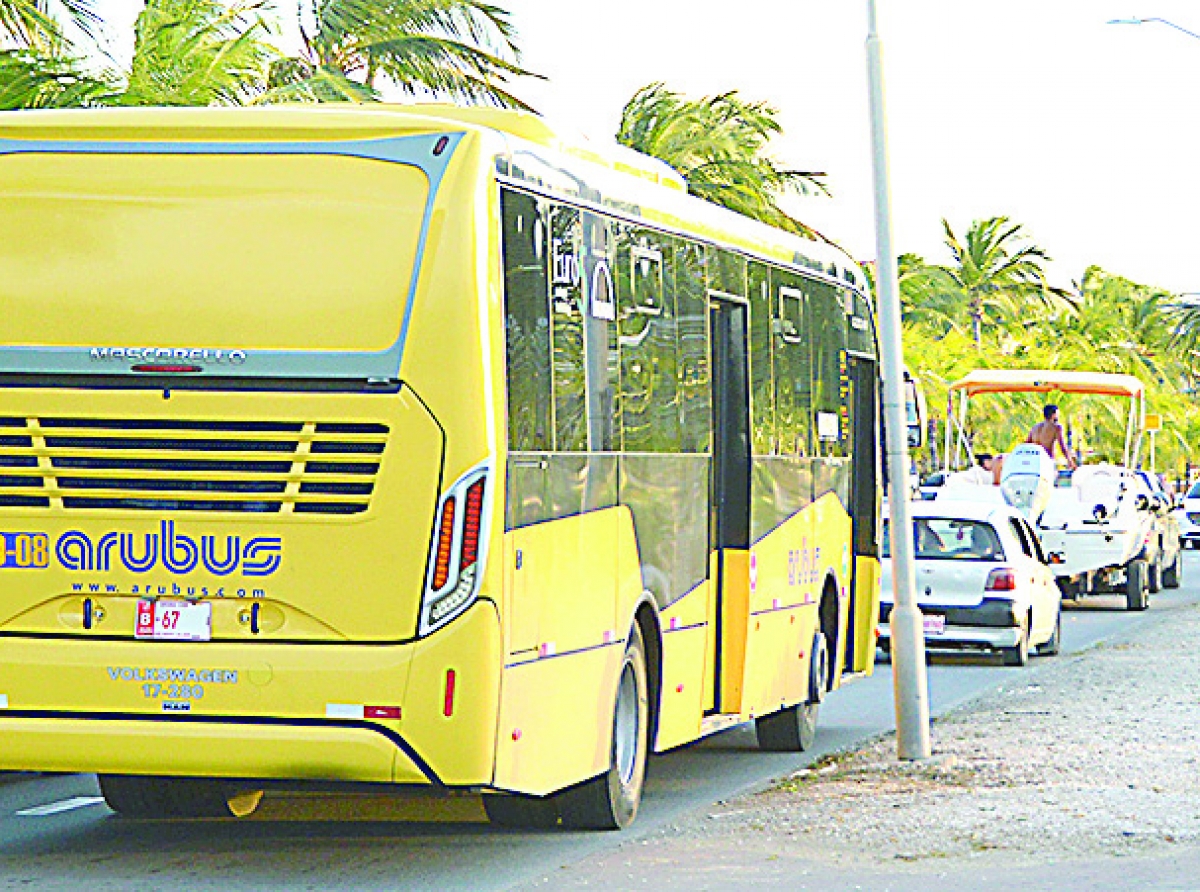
(258, 467)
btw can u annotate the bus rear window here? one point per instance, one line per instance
(286, 252)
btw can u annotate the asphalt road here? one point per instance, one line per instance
(55, 832)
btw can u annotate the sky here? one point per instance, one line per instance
(1084, 132)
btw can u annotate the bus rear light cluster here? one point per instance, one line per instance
(457, 552)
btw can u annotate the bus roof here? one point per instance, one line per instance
(1048, 381)
(662, 197)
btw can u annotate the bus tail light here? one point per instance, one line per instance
(457, 551)
(445, 544)
(1002, 579)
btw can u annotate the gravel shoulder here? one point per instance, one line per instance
(1089, 759)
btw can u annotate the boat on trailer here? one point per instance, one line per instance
(1097, 524)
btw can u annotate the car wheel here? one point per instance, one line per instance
(1154, 575)
(1172, 576)
(610, 801)
(1018, 655)
(1052, 647)
(1136, 596)
(794, 729)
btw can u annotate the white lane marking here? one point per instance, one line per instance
(53, 808)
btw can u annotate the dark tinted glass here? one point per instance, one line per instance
(792, 363)
(827, 315)
(649, 361)
(860, 335)
(762, 379)
(526, 323)
(600, 333)
(566, 301)
(691, 301)
(726, 272)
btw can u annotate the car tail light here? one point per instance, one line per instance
(1002, 579)
(457, 551)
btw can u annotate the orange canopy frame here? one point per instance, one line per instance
(1048, 381)
(984, 381)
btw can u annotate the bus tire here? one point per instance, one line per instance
(176, 797)
(794, 728)
(610, 801)
(526, 812)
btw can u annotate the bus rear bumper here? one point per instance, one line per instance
(209, 747)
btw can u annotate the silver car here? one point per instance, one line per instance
(982, 581)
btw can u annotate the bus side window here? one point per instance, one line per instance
(792, 371)
(601, 352)
(691, 301)
(566, 301)
(526, 323)
(828, 322)
(762, 380)
(647, 332)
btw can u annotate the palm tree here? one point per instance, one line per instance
(717, 144)
(199, 52)
(29, 79)
(927, 299)
(997, 273)
(39, 68)
(32, 24)
(461, 49)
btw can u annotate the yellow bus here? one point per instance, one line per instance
(413, 446)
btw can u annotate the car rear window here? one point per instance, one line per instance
(951, 539)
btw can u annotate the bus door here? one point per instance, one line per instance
(863, 403)
(729, 502)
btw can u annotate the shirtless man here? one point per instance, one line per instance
(1049, 433)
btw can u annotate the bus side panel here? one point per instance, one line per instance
(866, 613)
(783, 604)
(791, 566)
(559, 683)
(685, 645)
(832, 538)
(550, 734)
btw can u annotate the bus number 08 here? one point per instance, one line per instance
(26, 550)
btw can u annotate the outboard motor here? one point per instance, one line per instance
(1027, 479)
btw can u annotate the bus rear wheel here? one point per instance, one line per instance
(610, 801)
(794, 729)
(177, 797)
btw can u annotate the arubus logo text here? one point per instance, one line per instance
(169, 550)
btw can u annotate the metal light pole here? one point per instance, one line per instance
(909, 680)
(1155, 19)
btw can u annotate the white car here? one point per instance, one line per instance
(982, 581)
(1188, 515)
